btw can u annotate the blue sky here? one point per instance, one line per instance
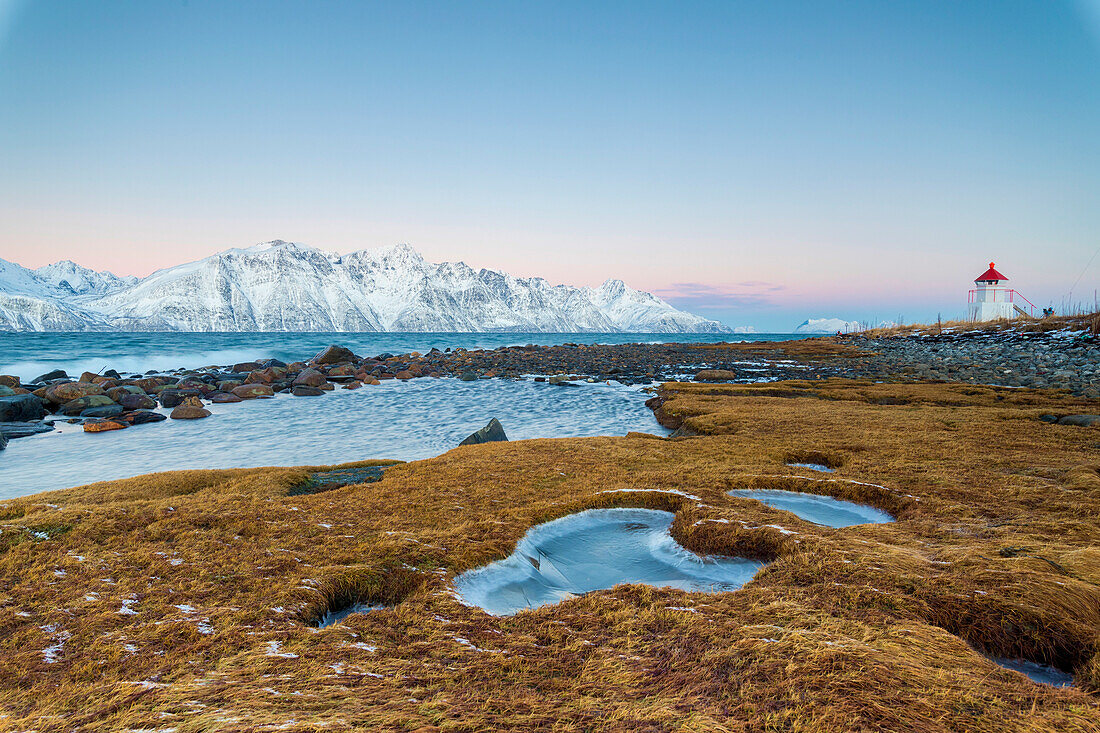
(758, 162)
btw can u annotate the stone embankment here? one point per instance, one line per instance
(1053, 359)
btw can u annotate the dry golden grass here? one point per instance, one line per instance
(1089, 322)
(874, 627)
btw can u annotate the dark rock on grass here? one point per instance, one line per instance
(21, 408)
(190, 412)
(303, 390)
(715, 375)
(105, 411)
(51, 376)
(141, 417)
(1083, 421)
(11, 430)
(1049, 418)
(79, 405)
(491, 433)
(334, 355)
(329, 480)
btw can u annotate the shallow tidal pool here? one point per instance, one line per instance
(409, 420)
(595, 550)
(823, 510)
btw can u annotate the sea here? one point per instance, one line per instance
(408, 420)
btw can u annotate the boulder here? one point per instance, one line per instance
(354, 384)
(268, 363)
(20, 408)
(715, 375)
(221, 398)
(310, 378)
(469, 376)
(189, 412)
(334, 355)
(227, 384)
(11, 430)
(137, 402)
(175, 397)
(303, 390)
(141, 417)
(102, 426)
(80, 404)
(3, 441)
(491, 433)
(64, 392)
(112, 374)
(117, 393)
(6, 391)
(1083, 421)
(246, 366)
(51, 376)
(106, 411)
(253, 391)
(89, 377)
(9, 381)
(344, 370)
(404, 374)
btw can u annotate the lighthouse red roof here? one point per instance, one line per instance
(990, 274)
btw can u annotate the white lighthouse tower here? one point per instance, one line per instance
(990, 299)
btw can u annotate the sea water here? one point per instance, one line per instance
(27, 355)
(406, 420)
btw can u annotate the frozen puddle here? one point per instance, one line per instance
(594, 550)
(824, 510)
(335, 617)
(812, 466)
(1041, 673)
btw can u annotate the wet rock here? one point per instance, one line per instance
(117, 393)
(269, 363)
(303, 390)
(176, 397)
(11, 430)
(493, 432)
(468, 376)
(141, 417)
(106, 411)
(64, 392)
(221, 398)
(355, 384)
(226, 385)
(404, 374)
(89, 377)
(310, 378)
(344, 370)
(21, 408)
(715, 375)
(190, 412)
(137, 402)
(334, 355)
(51, 376)
(253, 391)
(1083, 421)
(9, 381)
(112, 374)
(246, 366)
(79, 405)
(3, 441)
(102, 426)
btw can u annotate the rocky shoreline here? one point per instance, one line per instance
(110, 401)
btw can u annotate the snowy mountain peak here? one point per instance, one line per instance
(287, 286)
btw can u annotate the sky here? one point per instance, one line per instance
(756, 162)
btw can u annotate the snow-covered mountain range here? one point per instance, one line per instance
(283, 286)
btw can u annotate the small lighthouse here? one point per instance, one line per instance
(990, 299)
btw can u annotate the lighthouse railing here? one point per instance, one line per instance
(1003, 295)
